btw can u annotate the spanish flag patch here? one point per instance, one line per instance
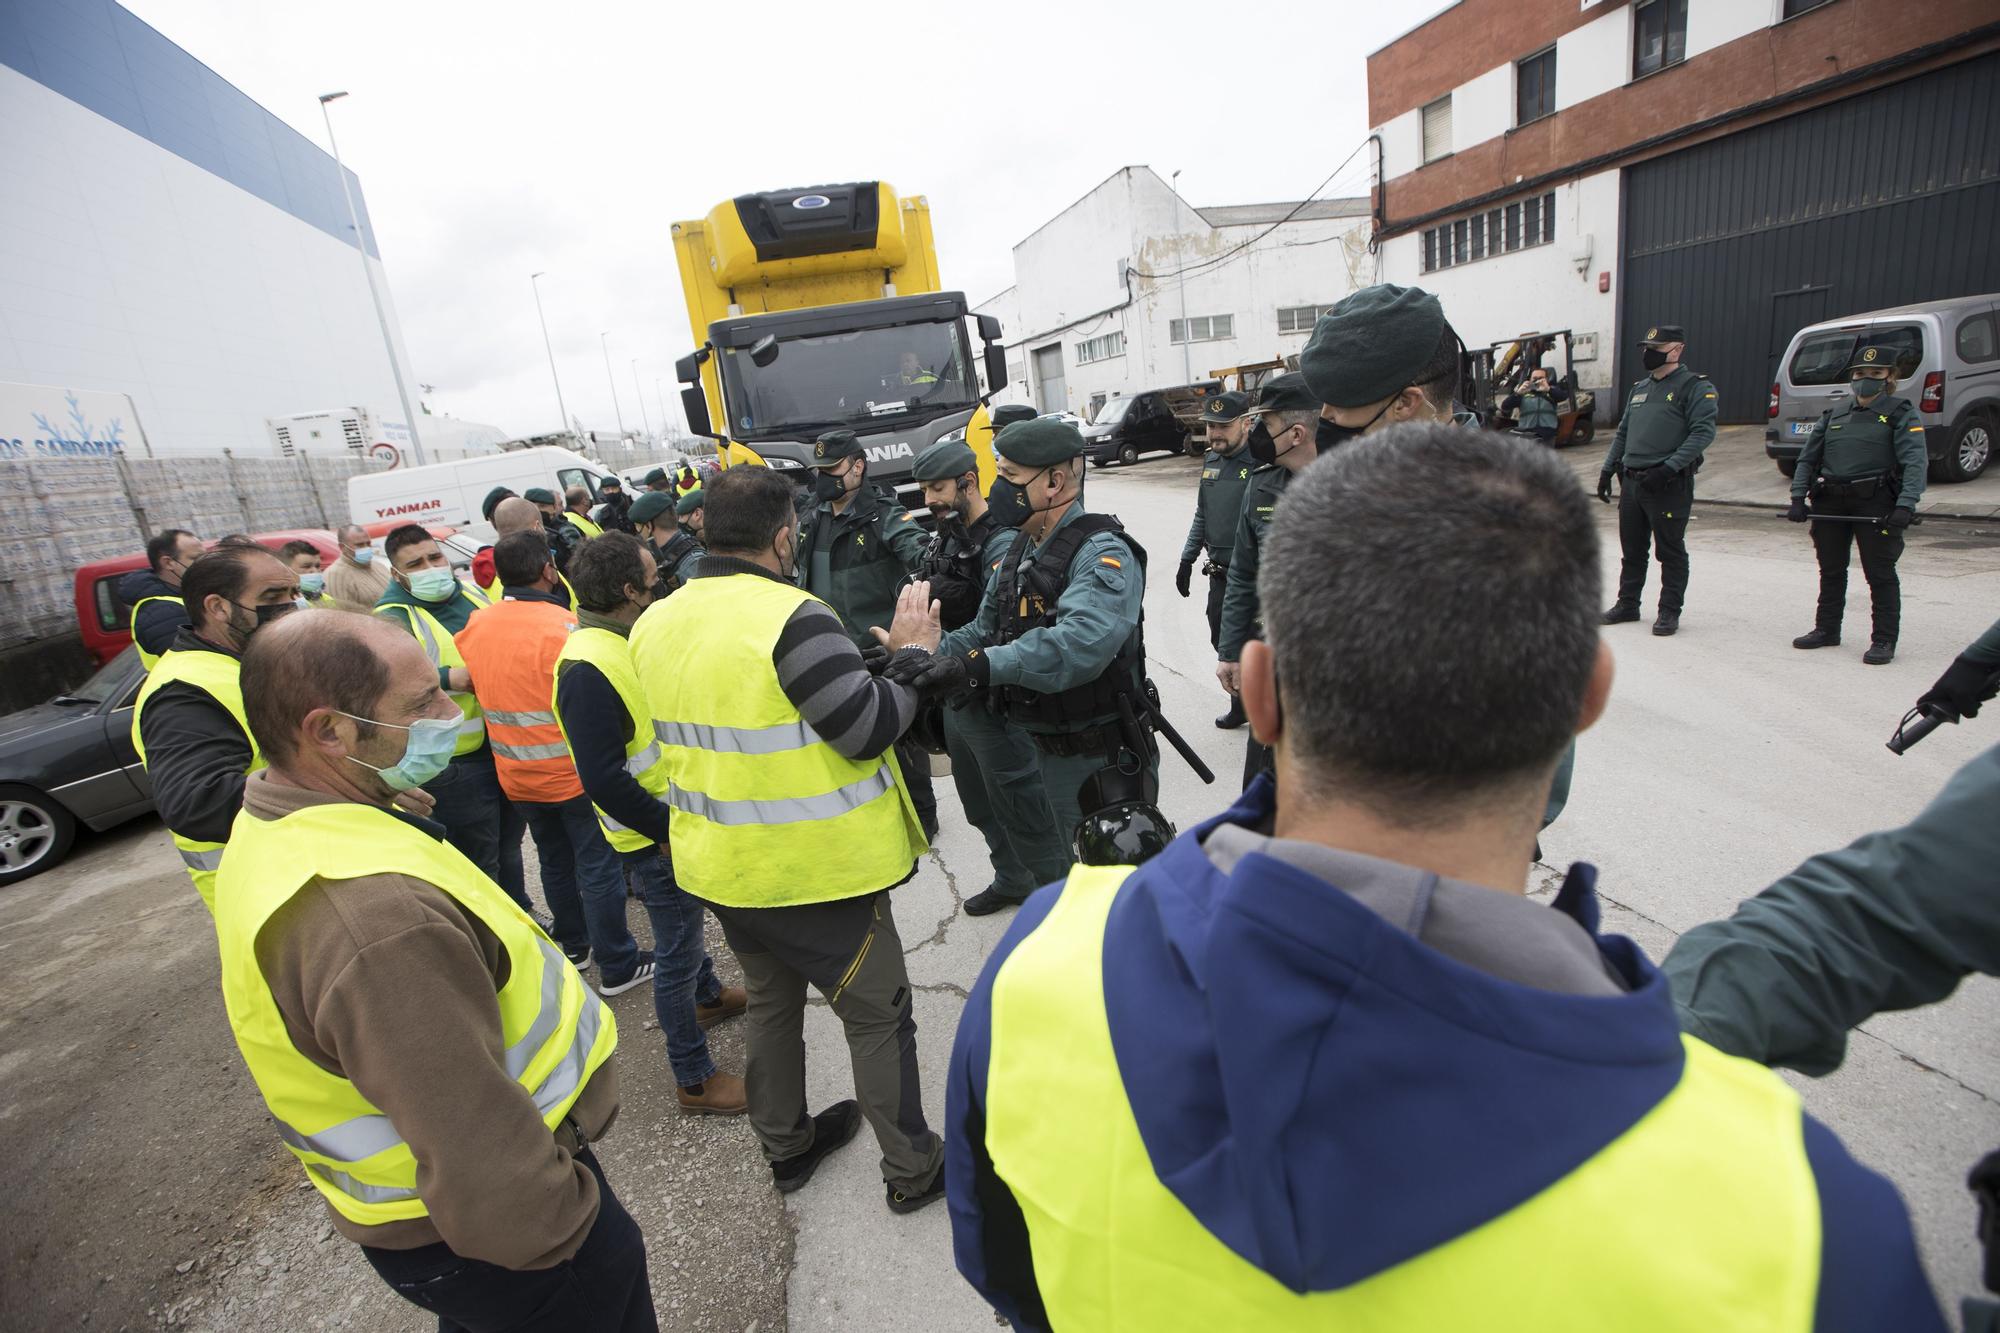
(1110, 560)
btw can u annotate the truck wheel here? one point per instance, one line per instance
(1788, 465)
(1970, 450)
(1583, 431)
(35, 833)
(1128, 454)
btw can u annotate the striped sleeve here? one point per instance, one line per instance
(821, 672)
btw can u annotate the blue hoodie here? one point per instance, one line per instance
(155, 626)
(1224, 992)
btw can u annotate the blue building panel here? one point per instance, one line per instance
(104, 58)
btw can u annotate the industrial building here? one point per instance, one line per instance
(177, 265)
(1739, 167)
(1132, 288)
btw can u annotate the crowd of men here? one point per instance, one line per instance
(1316, 1061)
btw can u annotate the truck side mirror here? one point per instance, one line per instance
(688, 369)
(996, 365)
(989, 328)
(764, 351)
(694, 405)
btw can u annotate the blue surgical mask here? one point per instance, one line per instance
(425, 753)
(364, 556)
(312, 585)
(433, 585)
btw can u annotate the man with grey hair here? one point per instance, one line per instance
(1323, 1062)
(358, 579)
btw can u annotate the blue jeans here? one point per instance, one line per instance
(480, 821)
(684, 974)
(584, 883)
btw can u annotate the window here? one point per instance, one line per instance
(1100, 348)
(1535, 86)
(1793, 8)
(1659, 35)
(1300, 318)
(1976, 340)
(1524, 223)
(1823, 358)
(1201, 328)
(1437, 129)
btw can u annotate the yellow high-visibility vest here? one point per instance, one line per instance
(443, 652)
(611, 654)
(583, 525)
(150, 659)
(219, 676)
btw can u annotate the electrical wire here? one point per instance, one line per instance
(1229, 254)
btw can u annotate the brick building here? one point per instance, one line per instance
(1741, 167)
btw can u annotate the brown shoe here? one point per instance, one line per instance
(720, 1094)
(733, 1001)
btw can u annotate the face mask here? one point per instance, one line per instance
(433, 585)
(365, 556)
(1867, 386)
(312, 585)
(425, 753)
(1652, 358)
(827, 487)
(1008, 503)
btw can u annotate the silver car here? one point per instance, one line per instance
(1947, 365)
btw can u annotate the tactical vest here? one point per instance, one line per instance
(1858, 442)
(1538, 412)
(955, 564)
(669, 558)
(1028, 600)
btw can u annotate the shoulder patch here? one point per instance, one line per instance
(1111, 560)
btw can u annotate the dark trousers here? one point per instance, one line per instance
(916, 764)
(1659, 520)
(683, 973)
(584, 881)
(998, 773)
(481, 822)
(603, 1288)
(1881, 546)
(1218, 584)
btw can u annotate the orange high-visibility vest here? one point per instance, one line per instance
(511, 649)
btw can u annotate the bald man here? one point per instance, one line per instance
(509, 517)
(358, 578)
(362, 951)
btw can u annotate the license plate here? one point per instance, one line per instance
(1802, 427)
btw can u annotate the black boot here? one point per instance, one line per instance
(1234, 718)
(1621, 612)
(1820, 637)
(1668, 623)
(1880, 653)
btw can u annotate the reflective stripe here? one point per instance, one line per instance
(348, 1141)
(426, 638)
(202, 860)
(522, 1052)
(507, 719)
(471, 726)
(348, 1185)
(738, 740)
(564, 1080)
(526, 753)
(645, 759)
(613, 826)
(790, 810)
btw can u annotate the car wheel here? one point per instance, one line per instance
(35, 833)
(1128, 454)
(1098, 462)
(1788, 465)
(1970, 450)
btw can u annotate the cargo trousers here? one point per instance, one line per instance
(999, 779)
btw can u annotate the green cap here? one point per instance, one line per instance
(540, 495)
(1874, 358)
(1659, 335)
(657, 477)
(1042, 442)
(836, 446)
(492, 501)
(1220, 407)
(944, 461)
(1287, 393)
(1371, 345)
(650, 506)
(1009, 413)
(688, 503)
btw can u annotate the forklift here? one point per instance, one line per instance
(1502, 368)
(1244, 379)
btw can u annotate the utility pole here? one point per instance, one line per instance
(562, 413)
(368, 272)
(1187, 373)
(639, 392)
(604, 340)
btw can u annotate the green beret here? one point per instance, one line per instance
(688, 503)
(1043, 442)
(836, 446)
(541, 495)
(1009, 413)
(945, 460)
(1287, 393)
(492, 501)
(1371, 345)
(657, 477)
(1224, 406)
(650, 506)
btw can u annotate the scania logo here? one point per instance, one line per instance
(811, 201)
(882, 453)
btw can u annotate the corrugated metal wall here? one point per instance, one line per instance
(1887, 197)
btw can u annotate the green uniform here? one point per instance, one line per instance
(1241, 620)
(1851, 442)
(1091, 628)
(1668, 423)
(1862, 461)
(856, 561)
(1217, 507)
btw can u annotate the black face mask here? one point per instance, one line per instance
(1263, 449)
(827, 487)
(1652, 358)
(1008, 503)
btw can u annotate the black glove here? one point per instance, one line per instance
(1900, 517)
(1604, 486)
(1964, 686)
(905, 666)
(875, 656)
(1184, 577)
(1657, 479)
(1797, 513)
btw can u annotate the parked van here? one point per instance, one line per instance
(452, 492)
(1947, 365)
(1133, 424)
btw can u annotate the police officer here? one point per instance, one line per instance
(564, 536)
(613, 514)
(858, 545)
(1058, 636)
(1225, 475)
(1282, 443)
(688, 510)
(993, 764)
(1865, 458)
(1668, 424)
(674, 548)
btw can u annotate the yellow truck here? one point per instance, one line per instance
(818, 309)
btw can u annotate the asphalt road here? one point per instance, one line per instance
(144, 1187)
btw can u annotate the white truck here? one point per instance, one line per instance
(452, 492)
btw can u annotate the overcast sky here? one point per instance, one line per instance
(496, 138)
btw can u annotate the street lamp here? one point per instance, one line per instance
(1187, 373)
(639, 392)
(604, 340)
(562, 413)
(368, 272)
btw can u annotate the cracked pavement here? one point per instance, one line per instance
(145, 1189)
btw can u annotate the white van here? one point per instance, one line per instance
(452, 492)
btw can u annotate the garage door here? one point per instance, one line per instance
(1881, 199)
(1049, 390)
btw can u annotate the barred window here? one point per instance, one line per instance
(1300, 318)
(1201, 328)
(1517, 226)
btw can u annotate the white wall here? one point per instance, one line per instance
(1713, 23)
(1403, 142)
(130, 270)
(1535, 289)
(1595, 58)
(1483, 108)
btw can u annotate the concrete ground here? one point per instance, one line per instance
(144, 1187)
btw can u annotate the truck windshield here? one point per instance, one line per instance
(847, 379)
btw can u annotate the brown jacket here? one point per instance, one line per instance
(389, 983)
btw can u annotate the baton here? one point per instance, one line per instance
(1850, 518)
(1157, 719)
(1918, 723)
